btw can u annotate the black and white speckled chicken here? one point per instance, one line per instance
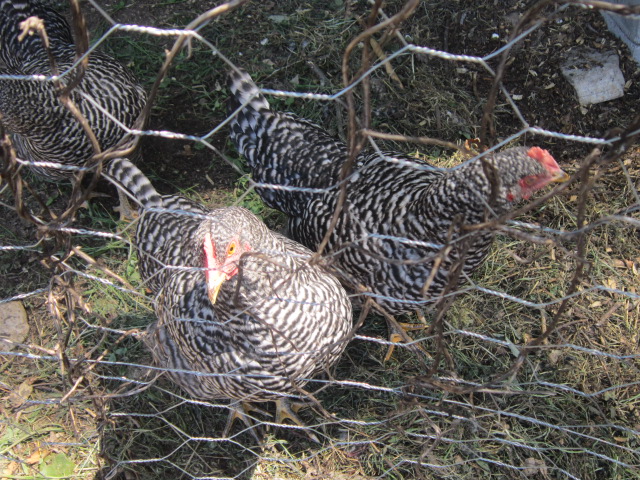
(44, 129)
(238, 304)
(400, 230)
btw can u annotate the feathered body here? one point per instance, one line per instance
(43, 128)
(401, 216)
(276, 321)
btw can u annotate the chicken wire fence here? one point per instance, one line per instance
(529, 368)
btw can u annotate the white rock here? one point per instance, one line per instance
(626, 27)
(595, 75)
(13, 325)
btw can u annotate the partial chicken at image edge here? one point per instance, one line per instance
(42, 128)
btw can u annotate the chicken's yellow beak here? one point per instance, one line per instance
(215, 279)
(560, 177)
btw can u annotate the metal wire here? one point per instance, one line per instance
(511, 417)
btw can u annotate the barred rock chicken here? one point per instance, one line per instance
(44, 129)
(238, 306)
(400, 231)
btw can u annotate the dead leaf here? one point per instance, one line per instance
(37, 456)
(532, 466)
(21, 394)
(611, 283)
(554, 356)
(9, 470)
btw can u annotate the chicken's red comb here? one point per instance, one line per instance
(545, 158)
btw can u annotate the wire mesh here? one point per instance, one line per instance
(528, 368)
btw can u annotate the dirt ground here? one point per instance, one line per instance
(438, 98)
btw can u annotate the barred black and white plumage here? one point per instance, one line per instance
(400, 214)
(235, 301)
(44, 129)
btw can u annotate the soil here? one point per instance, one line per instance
(440, 99)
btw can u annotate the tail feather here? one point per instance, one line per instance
(282, 149)
(248, 106)
(244, 90)
(126, 176)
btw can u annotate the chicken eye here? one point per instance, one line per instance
(231, 249)
(529, 181)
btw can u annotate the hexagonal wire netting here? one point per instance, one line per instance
(527, 368)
